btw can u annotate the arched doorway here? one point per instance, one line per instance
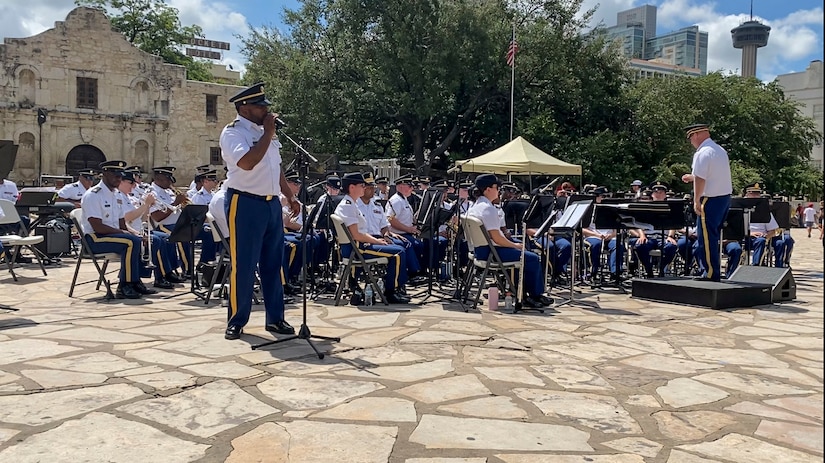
(83, 157)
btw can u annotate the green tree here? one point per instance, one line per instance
(367, 77)
(767, 138)
(154, 27)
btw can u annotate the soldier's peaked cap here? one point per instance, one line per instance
(252, 95)
(113, 166)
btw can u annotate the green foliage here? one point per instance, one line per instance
(380, 78)
(154, 27)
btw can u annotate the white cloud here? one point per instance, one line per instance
(24, 19)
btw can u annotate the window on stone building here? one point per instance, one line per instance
(87, 92)
(215, 155)
(212, 108)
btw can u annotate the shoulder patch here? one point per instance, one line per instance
(232, 124)
(96, 189)
(347, 201)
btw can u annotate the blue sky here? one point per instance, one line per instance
(796, 36)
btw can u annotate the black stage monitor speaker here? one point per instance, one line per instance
(781, 280)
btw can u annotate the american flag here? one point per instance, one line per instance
(511, 52)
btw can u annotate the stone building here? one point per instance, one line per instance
(806, 87)
(104, 99)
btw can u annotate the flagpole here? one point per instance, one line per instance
(512, 82)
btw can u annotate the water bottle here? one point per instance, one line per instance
(508, 302)
(368, 294)
(381, 286)
(492, 297)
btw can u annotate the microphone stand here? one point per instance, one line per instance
(302, 159)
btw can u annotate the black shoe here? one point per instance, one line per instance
(530, 302)
(21, 259)
(417, 281)
(173, 277)
(291, 289)
(163, 284)
(357, 298)
(288, 300)
(546, 301)
(280, 327)
(127, 291)
(142, 289)
(395, 298)
(233, 332)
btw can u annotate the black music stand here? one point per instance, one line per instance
(754, 210)
(430, 217)
(319, 220)
(187, 228)
(617, 216)
(302, 159)
(571, 220)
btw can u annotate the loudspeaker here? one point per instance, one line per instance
(781, 280)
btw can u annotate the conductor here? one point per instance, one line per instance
(251, 151)
(712, 188)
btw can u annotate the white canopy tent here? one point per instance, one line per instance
(518, 157)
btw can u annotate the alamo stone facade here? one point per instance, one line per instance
(104, 99)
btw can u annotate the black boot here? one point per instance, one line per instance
(142, 289)
(127, 291)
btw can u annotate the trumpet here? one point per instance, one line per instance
(147, 233)
(163, 205)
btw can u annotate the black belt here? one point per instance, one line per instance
(250, 195)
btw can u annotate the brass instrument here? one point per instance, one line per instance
(147, 234)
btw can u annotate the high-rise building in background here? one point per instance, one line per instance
(682, 52)
(642, 16)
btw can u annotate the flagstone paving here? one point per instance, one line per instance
(619, 380)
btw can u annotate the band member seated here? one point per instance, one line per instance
(209, 181)
(508, 251)
(105, 229)
(140, 187)
(166, 211)
(401, 217)
(73, 192)
(353, 185)
(379, 227)
(645, 240)
(596, 239)
(293, 229)
(760, 233)
(198, 170)
(382, 188)
(135, 213)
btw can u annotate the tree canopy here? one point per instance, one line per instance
(154, 27)
(417, 80)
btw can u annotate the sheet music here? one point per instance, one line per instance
(571, 218)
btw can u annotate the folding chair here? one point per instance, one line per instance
(86, 253)
(223, 261)
(355, 260)
(479, 236)
(17, 242)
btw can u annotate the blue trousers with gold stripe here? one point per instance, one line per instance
(708, 230)
(180, 249)
(125, 244)
(160, 254)
(256, 240)
(396, 265)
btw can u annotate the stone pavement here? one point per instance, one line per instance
(623, 381)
